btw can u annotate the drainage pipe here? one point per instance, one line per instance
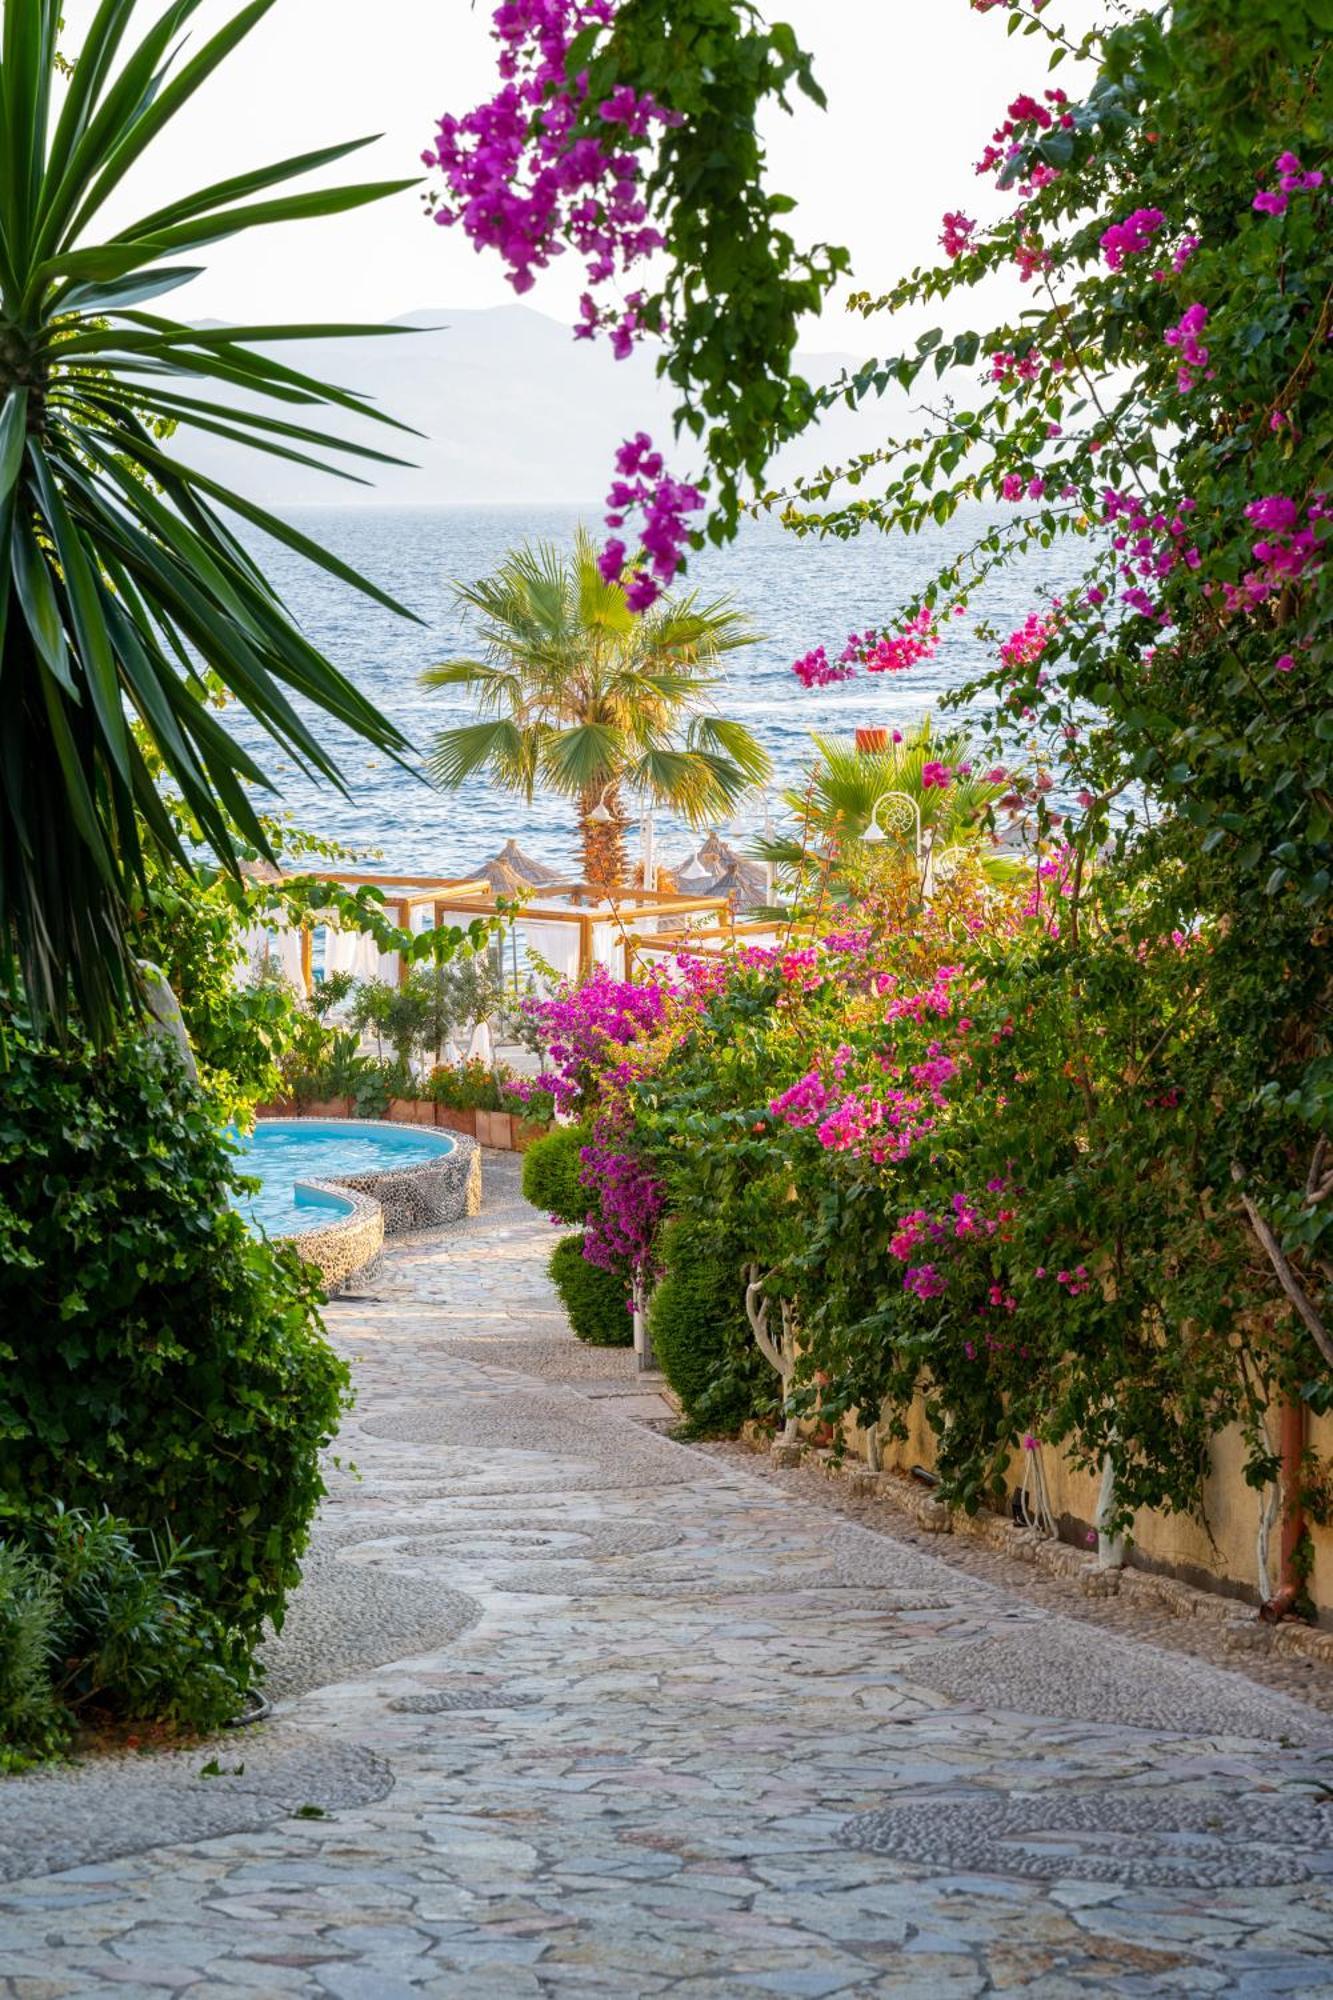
(1293, 1515)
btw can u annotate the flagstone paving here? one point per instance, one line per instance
(569, 1708)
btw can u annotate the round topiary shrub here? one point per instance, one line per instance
(156, 1359)
(551, 1169)
(700, 1335)
(596, 1300)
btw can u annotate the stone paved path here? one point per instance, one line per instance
(571, 1709)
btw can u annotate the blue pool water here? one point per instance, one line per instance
(280, 1152)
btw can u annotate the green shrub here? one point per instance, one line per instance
(96, 1628)
(700, 1335)
(31, 1720)
(551, 1174)
(156, 1359)
(594, 1299)
(134, 1638)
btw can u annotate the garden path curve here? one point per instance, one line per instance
(568, 1708)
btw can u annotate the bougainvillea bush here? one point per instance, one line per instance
(1116, 1227)
(973, 1161)
(1165, 402)
(619, 130)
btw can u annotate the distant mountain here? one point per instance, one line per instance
(511, 408)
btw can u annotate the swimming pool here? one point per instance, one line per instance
(284, 1153)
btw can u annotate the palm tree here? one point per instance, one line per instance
(846, 785)
(579, 693)
(128, 603)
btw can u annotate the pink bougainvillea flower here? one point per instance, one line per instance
(815, 670)
(1294, 179)
(1185, 338)
(1130, 237)
(956, 233)
(520, 184)
(925, 1281)
(643, 485)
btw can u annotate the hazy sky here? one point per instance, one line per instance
(915, 87)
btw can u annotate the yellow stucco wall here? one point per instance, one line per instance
(1216, 1551)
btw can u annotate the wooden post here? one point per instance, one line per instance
(404, 924)
(308, 959)
(585, 946)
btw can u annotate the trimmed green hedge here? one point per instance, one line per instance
(551, 1174)
(701, 1337)
(594, 1299)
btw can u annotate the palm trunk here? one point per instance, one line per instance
(603, 842)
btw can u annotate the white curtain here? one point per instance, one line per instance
(278, 949)
(558, 944)
(608, 948)
(354, 952)
(480, 1048)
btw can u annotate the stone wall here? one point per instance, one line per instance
(348, 1246)
(428, 1192)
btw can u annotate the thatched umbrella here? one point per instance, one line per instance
(717, 857)
(745, 885)
(511, 870)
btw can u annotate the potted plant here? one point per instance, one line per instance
(531, 1111)
(453, 1094)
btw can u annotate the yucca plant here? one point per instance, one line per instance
(128, 601)
(581, 694)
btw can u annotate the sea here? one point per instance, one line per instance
(797, 593)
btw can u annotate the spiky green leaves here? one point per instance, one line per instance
(127, 599)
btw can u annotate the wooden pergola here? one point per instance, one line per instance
(472, 896)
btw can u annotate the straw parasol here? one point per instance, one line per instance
(511, 870)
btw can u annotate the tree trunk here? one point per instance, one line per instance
(603, 843)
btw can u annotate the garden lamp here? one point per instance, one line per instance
(600, 814)
(875, 834)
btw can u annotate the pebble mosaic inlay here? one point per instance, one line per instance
(1136, 1836)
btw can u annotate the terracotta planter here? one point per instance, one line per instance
(456, 1121)
(327, 1107)
(527, 1134)
(496, 1128)
(412, 1110)
(281, 1107)
(870, 740)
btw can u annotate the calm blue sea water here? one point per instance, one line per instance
(798, 594)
